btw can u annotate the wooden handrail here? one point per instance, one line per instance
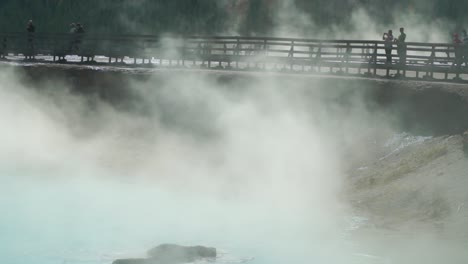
(298, 41)
(291, 52)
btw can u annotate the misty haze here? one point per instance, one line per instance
(233, 131)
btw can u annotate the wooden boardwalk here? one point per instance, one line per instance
(431, 61)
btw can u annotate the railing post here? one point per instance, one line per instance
(374, 58)
(291, 50)
(265, 53)
(458, 60)
(389, 64)
(348, 53)
(447, 71)
(237, 51)
(259, 51)
(200, 51)
(196, 52)
(184, 51)
(433, 55)
(199, 48)
(402, 50)
(208, 53)
(291, 55)
(319, 57)
(311, 56)
(369, 60)
(109, 52)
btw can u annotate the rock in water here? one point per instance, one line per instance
(169, 253)
(131, 261)
(172, 254)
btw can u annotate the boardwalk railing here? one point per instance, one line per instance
(418, 60)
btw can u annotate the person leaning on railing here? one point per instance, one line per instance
(401, 46)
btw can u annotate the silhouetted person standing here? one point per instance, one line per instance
(73, 37)
(458, 49)
(4, 48)
(465, 47)
(388, 38)
(79, 31)
(76, 31)
(31, 29)
(401, 46)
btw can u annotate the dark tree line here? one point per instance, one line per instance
(205, 16)
(114, 16)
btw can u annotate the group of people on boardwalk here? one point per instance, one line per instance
(460, 45)
(72, 44)
(76, 29)
(401, 45)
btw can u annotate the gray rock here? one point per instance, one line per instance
(172, 254)
(133, 261)
(169, 253)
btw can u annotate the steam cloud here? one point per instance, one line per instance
(222, 165)
(255, 166)
(252, 165)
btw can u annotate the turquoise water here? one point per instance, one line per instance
(49, 220)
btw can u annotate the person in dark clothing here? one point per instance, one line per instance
(401, 46)
(76, 30)
(31, 29)
(4, 48)
(79, 31)
(79, 28)
(457, 45)
(388, 38)
(72, 32)
(465, 47)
